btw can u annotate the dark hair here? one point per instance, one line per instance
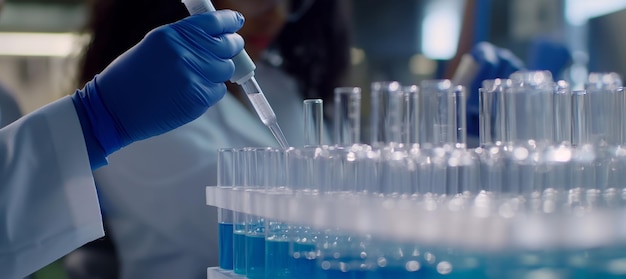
(315, 49)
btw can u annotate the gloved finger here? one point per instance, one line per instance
(214, 70)
(209, 95)
(214, 23)
(225, 46)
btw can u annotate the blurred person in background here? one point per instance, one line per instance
(152, 193)
(9, 108)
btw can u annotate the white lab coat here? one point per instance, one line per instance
(48, 200)
(153, 191)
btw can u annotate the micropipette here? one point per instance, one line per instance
(244, 77)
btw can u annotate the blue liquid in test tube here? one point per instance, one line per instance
(278, 258)
(304, 260)
(255, 256)
(239, 251)
(226, 245)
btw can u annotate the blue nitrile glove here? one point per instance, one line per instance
(549, 55)
(168, 79)
(493, 62)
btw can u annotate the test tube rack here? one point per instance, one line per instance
(430, 222)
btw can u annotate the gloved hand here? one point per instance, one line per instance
(493, 62)
(550, 55)
(168, 79)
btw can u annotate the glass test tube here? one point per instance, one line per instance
(278, 258)
(558, 171)
(580, 118)
(617, 169)
(347, 118)
(313, 122)
(529, 107)
(492, 171)
(379, 113)
(460, 93)
(225, 218)
(563, 113)
(411, 119)
(605, 105)
(487, 111)
(254, 180)
(366, 169)
(396, 178)
(438, 114)
(303, 168)
(583, 174)
(239, 218)
(606, 110)
(336, 249)
(393, 118)
(500, 131)
(621, 92)
(531, 128)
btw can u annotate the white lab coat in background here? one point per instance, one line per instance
(48, 201)
(153, 192)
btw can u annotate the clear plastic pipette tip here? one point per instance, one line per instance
(278, 134)
(264, 110)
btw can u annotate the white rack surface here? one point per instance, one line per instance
(216, 273)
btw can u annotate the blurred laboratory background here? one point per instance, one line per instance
(405, 41)
(402, 40)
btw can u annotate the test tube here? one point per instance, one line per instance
(529, 108)
(563, 113)
(225, 218)
(278, 235)
(438, 117)
(313, 122)
(394, 117)
(331, 170)
(486, 111)
(583, 173)
(255, 179)
(411, 120)
(531, 128)
(500, 134)
(380, 110)
(347, 118)
(621, 92)
(605, 105)
(580, 118)
(469, 172)
(239, 218)
(303, 168)
(491, 115)
(367, 169)
(395, 173)
(460, 93)
(302, 174)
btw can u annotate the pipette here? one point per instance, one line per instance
(244, 76)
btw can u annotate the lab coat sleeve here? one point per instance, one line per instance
(48, 201)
